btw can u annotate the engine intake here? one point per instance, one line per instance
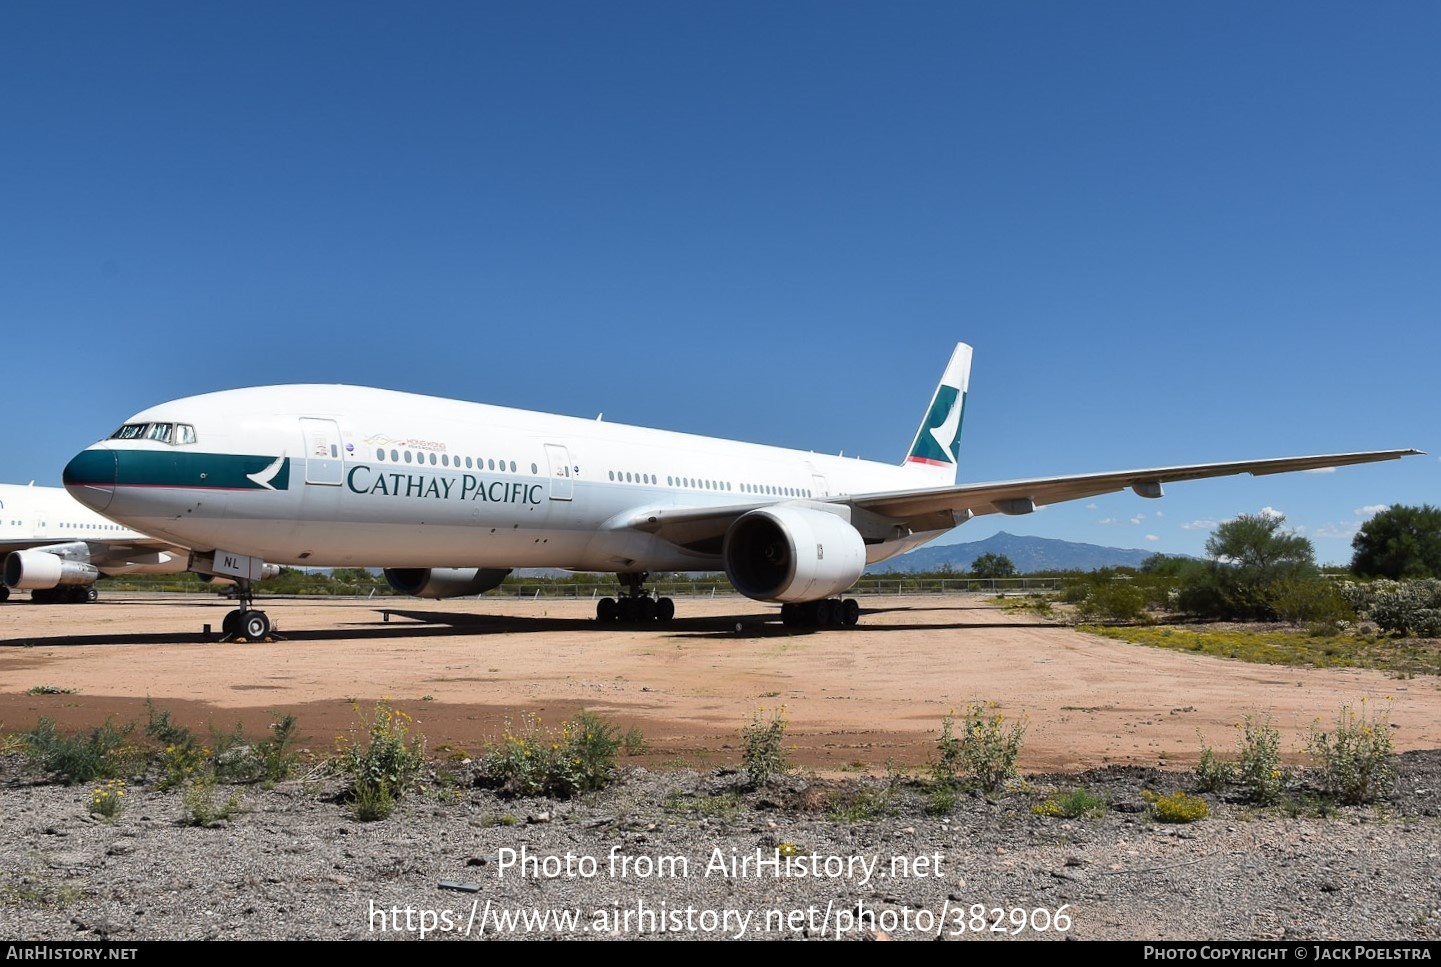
(43, 570)
(790, 554)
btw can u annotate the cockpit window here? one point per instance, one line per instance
(175, 434)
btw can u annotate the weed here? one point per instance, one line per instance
(1258, 765)
(1178, 807)
(869, 800)
(724, 805)
(580, 758)
(763, 754)
(1213, 772)
(941, 799)
(1071, 805)
(505, 819)
(102, 753)
(983, 757)
(108, 800)
(632, 742)
(1356, 760)
(199, 806)
(385, 764)
(277, 755)
(49, 690)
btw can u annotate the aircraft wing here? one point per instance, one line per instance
(121, 555)
(924, 508)
(942, 508)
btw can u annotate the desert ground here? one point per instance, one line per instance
(857, 696)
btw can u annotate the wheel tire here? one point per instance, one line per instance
(90, 595)
(231, 624)
(4, 593)
(850, 612)
(626, 608)
(664, 609)
(823, 612)
(645, 610)
(606, 610)
(255, 625)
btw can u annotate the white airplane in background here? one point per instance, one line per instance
(58, 548)
(448, 496)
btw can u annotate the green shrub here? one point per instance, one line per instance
(104, 752)
(1071, 805)
(1298, 599)
(1401, 607)
(763, 753)
(1178, 807)
(198, 802)
(1213, 772)
(385, 764)
(983, 757)
(1356, 759)
(1258, 764)
(1116, 600)
(579, 758)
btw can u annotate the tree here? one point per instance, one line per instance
(991, 565)
(1254, 561)
(1399, 542)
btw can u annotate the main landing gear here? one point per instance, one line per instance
(635, 606)
(832, 613)
(245, 623)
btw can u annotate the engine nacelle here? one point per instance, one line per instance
(444, 582)
(791, 554)
(41, 570)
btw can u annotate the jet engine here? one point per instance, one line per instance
(791, 554)
(43, 570)
(444, 582)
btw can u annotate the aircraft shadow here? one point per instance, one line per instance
(441, 624)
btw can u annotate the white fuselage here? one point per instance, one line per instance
(31, 515)
(341, 475)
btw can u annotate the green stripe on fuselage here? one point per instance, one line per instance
(201, 471)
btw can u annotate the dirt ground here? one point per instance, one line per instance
(852, 696)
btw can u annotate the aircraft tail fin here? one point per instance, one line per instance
(936, 449)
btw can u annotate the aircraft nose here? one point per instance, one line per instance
(90, 477)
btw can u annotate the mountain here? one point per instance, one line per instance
(1028, 554)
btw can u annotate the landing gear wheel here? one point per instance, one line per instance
(664, 609)
(4, 593)
(254, 625)
(823, 612)
(627, 608)
(90, 595)
(850, 612)
(645, 610)
(607, 610)
(231, 625)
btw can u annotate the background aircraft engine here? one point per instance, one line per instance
(792, 554)
(444, 582)
(40, 570)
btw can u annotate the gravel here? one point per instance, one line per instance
(669, 855)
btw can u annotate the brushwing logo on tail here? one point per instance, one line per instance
(939, 442)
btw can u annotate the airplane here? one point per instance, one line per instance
(448, 496)
(58, 548)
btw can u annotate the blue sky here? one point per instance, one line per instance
(1174, 233)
